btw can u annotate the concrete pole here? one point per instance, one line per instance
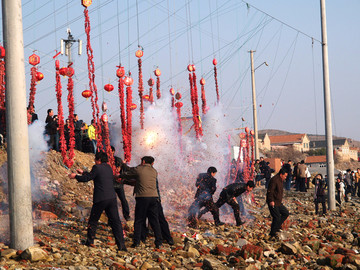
(256, 136)
(19, 181)
(327, 107)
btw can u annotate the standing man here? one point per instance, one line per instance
(228, 195)
(77, 130)
(92, 135)
(119, 187)
(357, 183)
(287, 168)
(147, 197)
(104, 198)
(274, 198)
(301, 176)
(206, 187)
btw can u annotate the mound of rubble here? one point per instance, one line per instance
(61, 208)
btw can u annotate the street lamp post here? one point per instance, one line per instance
(256, 146)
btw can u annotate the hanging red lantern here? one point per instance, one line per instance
(2, 52)
(146, 97)
(202, 81)
(151, 82)
(139, 53)
(39, 76)
(178, 96)
(247, 130)
(242, 135)
(120, 72)
(172, 91)
(178, 104)
(57, 64)
(108, 87)
(63, 71)
(128, 81)
(133, 106)
(104, 118)
(86, 3)
(252, 132)
(214, 62)
(86, 94)
(69, 72)
(34, 59)
(157, 72)
(190, 68)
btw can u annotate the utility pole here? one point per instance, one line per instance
(68, 44)
(19, 181)
(327, 106)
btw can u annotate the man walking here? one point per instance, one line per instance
(104, 198)
(301, 176)
(274, 198)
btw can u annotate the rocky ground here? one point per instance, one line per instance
(61, 207)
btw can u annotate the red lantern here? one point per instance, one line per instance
(57, 64)
(252, 132)
(2, 52)
(34, 59)
(157, 72)
(247, 130)
(39, 76)
(151, 82)
(193, 67)
(242, 135)
(120, 72)
(133, 106)
(63, 71)
(86, 94)
(109, 87)
(214, 62)
(86, 3)
(70, 72)
(178, 104)
(172, 91)
(104, 118)
(178, 96)
(146, 97)
(139, 53)
(128, 81)
(202, 81)
(190, 68)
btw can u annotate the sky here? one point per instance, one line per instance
(173, 34)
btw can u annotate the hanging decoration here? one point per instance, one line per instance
(172, 93)
(216, 81)
(128, 82)
(139, 53)
(104, 122)
(108, 87)
(121, 73)
(34, 60)
(252, 161)
(157, 73)
(151, 84)
(70, 98)
(203, 97)
(194, 101)
(2, 77)
(86, 94)
(178, 106)
(91, 74)
(240, 156)
(247, 157)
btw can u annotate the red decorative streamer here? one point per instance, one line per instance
(32, 87)
(141, 91)
(123, 117)
(252, 172)
(106, 138)
(151, 95)
(247, 159)
(203, 99)
(128, 122)
(216, 84)
(70, 87)
(158, 93)
(2, 84)
(92, 85)
(180, 130)
(195, 105)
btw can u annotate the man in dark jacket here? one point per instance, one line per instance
(287, 168)
(274, 196)
(104, 198)
(228, 195)
(147, 198)
(206, 187)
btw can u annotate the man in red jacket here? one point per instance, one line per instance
(274, 198)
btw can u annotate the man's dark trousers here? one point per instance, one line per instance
(279, 215)
(225, 198)
(124, 203)
(147, 207)
(111, 210)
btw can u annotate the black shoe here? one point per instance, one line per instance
(170, 242)
(219, 223)
(240, 223)
(157, 246)
(134, 245)
(88, 243)
(123, 248)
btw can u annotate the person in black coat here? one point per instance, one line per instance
(104, 198)
(228, 195)
(206, 187)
